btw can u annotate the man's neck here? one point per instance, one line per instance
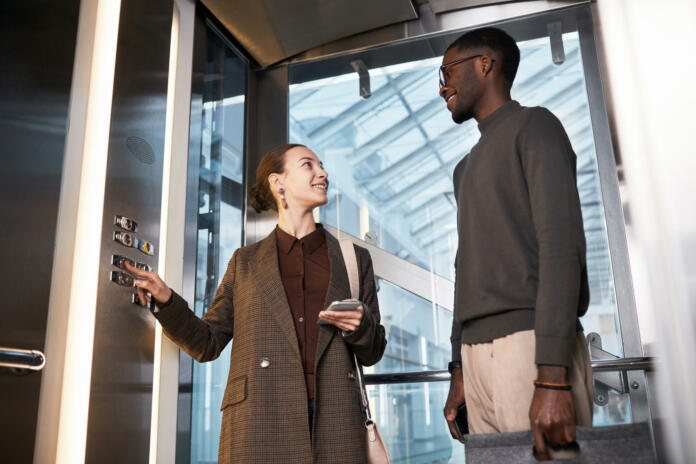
(490, 104)
(297, 224)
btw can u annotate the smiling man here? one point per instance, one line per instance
(519, 357)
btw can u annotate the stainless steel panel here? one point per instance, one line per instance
(37, 55)
(121, 386)
(272, 30)
(429, 25)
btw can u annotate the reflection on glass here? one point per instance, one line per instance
(410, 419)
(219, 223)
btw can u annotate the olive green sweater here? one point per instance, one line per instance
(520, 262)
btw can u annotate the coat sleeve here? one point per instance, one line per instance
(368, 341)
(202, 338)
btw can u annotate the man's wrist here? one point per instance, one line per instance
(454, 365)
(552, 374)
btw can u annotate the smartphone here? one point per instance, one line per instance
(344, 306)
(461, 422)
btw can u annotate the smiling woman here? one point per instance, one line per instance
(270, 301)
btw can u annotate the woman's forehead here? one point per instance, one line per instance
(297, 153)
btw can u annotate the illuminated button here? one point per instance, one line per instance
(265, 362)
(146, 247)
(126, 223)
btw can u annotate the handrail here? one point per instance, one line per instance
(18, 358)
(622, 364)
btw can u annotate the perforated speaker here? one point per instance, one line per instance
(141, 149)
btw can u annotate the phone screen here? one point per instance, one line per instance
(461, 422)
(344, 306)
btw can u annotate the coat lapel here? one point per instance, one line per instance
(267, 274)
(338, 290)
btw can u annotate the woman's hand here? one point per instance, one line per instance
(150, 286)
(347, 321)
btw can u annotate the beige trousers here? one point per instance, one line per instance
(498, 382)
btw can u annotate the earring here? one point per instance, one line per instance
(282, 197)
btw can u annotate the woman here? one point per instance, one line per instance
(291, 394)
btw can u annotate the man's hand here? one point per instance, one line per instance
(455, 398)
(552, 414)
(149, 286)
(345, 320)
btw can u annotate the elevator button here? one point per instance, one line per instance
(118, 261)
(123, 279)
(146, 247)
(124, 238)
(135, 299)
(126, 223)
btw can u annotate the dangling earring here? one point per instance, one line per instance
(282, 197)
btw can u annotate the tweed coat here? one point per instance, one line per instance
(265, 416)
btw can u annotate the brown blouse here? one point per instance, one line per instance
(304, 270)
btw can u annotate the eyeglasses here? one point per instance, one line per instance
(443, 68)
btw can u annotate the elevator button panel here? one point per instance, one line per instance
(126, 223)
(118, 261)
(123, 279)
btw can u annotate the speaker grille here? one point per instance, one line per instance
(141, 149)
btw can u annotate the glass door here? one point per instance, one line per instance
(390, 159)
(214, 223)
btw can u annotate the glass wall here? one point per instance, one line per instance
(390, 160)
(219, 160)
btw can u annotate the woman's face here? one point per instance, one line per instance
(304, 180)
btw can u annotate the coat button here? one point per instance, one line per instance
(351, 375)
(265, 362)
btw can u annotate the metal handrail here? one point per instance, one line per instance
(18, 358)
(623, 364)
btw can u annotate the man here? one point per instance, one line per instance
(519, 357)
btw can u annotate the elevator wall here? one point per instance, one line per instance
(36, 55)
(122, 365)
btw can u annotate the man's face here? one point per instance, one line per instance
(462, 87)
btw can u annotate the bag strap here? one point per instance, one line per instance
(351, 262)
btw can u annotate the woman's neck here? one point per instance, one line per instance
(296, 224)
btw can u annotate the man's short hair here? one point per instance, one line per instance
(496, 40)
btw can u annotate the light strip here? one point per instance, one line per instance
(74, 405)
(164, 217)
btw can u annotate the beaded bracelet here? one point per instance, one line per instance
(552, 386)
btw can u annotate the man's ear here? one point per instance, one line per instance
(486, 65)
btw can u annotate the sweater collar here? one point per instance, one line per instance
(498, 115)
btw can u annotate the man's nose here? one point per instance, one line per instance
(443, 91)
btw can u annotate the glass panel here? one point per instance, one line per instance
(410, 419)
(390, 160)
(219, 223)
(418, 332)
(396, 155)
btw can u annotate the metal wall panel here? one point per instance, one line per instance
(121, 387)
(37, 55)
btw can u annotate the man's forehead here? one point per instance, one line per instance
(455, 53)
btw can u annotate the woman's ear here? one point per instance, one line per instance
(275, 182)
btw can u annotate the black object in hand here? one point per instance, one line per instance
(461, 422)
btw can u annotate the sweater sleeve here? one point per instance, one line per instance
(549, 164)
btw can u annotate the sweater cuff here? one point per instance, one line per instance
(457, 350)
(366, 321)
(555, 351)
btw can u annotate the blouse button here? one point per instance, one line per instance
(301, 319)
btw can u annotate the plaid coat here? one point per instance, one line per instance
(264, 407)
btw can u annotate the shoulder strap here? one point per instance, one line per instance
(351, 262)
(348, 252)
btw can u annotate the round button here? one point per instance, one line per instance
(301, 319)
(265, 362)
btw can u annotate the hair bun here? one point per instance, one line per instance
(257, 200)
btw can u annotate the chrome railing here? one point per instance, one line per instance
(17, 358)
(622, 365)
